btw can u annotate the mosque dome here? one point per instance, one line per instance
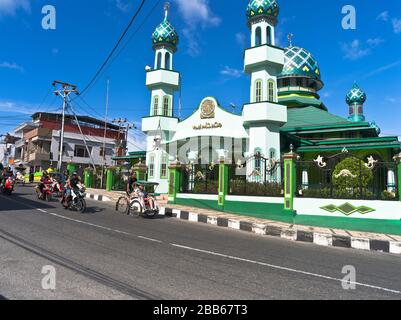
(262, 8)
(300, 62)
(165, 34)
(356, 95)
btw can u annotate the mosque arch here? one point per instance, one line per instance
(270, 90)
(258, 90)
(155, 105)
(258, 36)
(166, 106)
(168, 61)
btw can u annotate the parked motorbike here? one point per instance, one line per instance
(7, 187)
(132, 204)
(77, 201)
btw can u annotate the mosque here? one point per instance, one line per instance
(284, 110)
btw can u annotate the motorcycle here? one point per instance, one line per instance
(57, 189)
(76, 201)
(137, 206)
(8, 186)
(46, 193)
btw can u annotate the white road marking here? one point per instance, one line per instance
(150, 239)
(283, 268)
(42, 210)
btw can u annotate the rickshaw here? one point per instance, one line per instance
(133, 204)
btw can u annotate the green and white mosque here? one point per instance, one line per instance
(284, 108)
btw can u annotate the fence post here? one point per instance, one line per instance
(289, 180)
(88, 181)
(223, 183)
(397, 159)
(71, 167)
(174, 181)
(140, 170)
(109, 179)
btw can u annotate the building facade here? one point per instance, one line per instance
(38, 144)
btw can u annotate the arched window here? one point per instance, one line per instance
(156, 105)
(151, 166)
(269, 35)
(270, 90)
(272, 154)
(258, 91)
(168, 61)
(166, 106)
(258, 36)
(159, 60)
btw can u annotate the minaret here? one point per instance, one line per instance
(355, 99)
(162, 81)
(264, 62)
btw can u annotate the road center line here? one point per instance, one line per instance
(283, 268)
(150, 239)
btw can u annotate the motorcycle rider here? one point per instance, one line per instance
(44, 180)
(72, 187)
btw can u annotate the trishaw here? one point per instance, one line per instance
(135, 204)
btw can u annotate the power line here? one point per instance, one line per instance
(93, 80)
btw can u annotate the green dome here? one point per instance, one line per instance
(165, 34)
(355, 95)
(300, 62)
(259, 8)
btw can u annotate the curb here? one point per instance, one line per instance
(98, 197)
(318, 238)
(321, 239)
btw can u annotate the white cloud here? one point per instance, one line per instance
(231, 72)
(397, 25)
(384, 68)
(196, 14)
(240, 37)
(384, 16)
(123, 6)
(11, 65)
(354, 50)
(10, 7)
(374, 42)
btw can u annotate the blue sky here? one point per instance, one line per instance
(210, 57)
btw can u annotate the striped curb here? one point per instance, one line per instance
(98, 197)
(318, 238)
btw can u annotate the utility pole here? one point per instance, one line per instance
(125, 126)
(105, 130)
(64, 90)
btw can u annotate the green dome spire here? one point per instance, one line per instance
(165, 34)
(300, 62)
(262, 8)
(355, 96)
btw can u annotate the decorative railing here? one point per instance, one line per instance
(257, 176)
(200, 179)
(345, 176)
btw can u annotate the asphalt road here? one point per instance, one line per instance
(104, 255)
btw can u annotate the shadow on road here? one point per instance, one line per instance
(17, 202)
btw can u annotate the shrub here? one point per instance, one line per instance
(361, 175)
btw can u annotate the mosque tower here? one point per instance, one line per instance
(355, 99)
(264, 62)
(162, 81)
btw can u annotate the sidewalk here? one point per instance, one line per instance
(320, 236)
